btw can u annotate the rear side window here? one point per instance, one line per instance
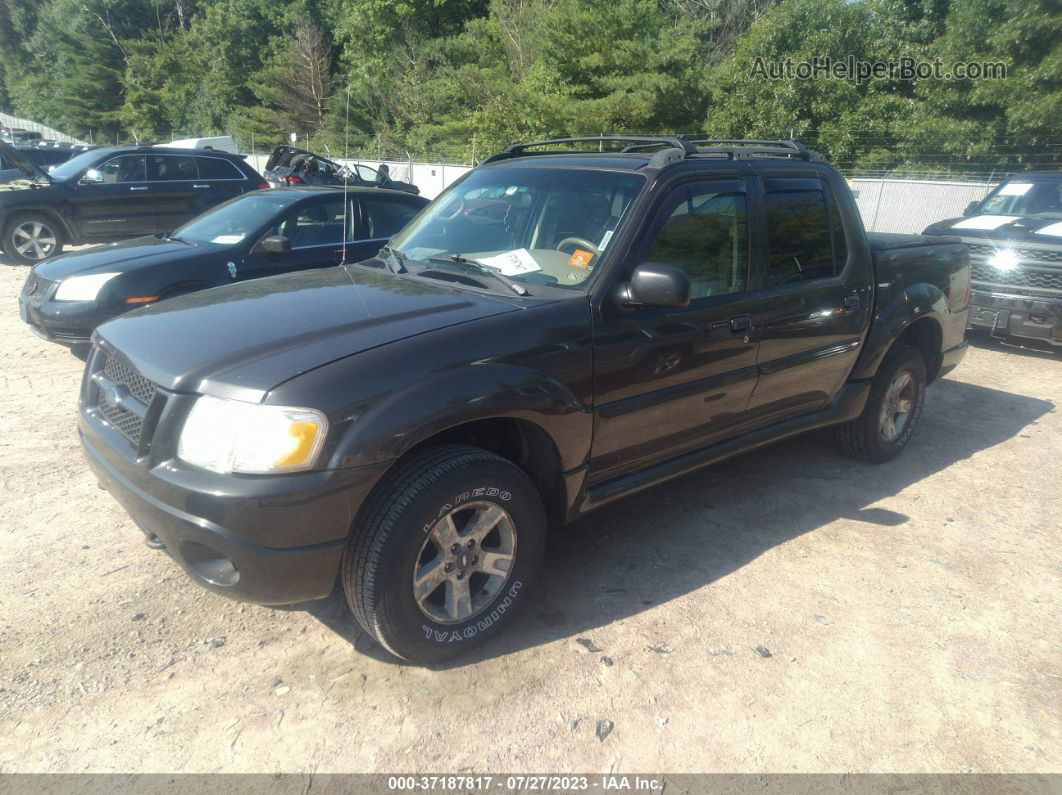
(170, 168)
(799, 239)
(386, 217)
(217, 168)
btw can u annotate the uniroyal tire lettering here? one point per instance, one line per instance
(441, 636)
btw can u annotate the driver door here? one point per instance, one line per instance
(118, 203)
(671, 380)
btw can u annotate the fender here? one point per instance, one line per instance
(897, 308)
(57, 218)
(391, 427)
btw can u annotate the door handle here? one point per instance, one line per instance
(200, 186)
(740, 323)
(850, 303)
(139, 187)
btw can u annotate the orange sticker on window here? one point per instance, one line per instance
(580, 258)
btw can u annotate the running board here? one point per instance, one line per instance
(846, 406)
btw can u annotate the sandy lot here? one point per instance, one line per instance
(908, 616)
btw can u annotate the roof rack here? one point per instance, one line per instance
(634, 142)
(672, 148)
(742, 149)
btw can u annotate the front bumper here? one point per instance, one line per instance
(268, 540)
(1005, 314)
(65, 322)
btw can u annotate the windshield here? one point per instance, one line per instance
(1017, 197)
(534, 225)
(230, 223)
(74, 166)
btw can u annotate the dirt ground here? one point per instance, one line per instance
(785, 611)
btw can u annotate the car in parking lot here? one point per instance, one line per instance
(112, 193)
(258, 234)
(1014, 236)
(560, 328)
(46, 157)
(289, 165)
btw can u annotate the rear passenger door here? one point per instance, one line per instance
(172, 191)
(379, 219)
(315, 230)
(815, 298)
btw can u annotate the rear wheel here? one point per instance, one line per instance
(30, 238)
(447, 547)
(892, 411)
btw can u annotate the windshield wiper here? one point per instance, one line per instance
(470, 266)
(396, 263)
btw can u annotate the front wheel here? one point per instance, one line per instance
(892, 411)
(30, 238)
(444, 553)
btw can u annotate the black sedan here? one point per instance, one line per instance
(262, 233)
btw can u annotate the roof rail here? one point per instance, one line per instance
(739, 149)
(635, 142)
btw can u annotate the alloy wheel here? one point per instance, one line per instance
(34, 240)
(899, 402)
(465, 562)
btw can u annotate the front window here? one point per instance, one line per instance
(534, 225)
(75, 166)
(1022, 197)
(232, 222)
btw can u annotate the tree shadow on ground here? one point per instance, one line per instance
(676, 538)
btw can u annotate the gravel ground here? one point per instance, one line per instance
(785, 611)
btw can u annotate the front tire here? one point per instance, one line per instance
(445, 552)
(32, 237)
(893, 408)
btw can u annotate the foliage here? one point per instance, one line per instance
(461, 78)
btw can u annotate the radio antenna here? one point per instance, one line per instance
(346, 177)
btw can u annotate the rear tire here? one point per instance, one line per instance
(30, 238)
(444, 553)
(893, 408)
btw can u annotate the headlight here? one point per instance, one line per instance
(233, 436)
(82, 288)
(1005, 259)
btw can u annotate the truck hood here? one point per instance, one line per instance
(124, 257)
(26, 166)
(1009, 228)
(241, 340)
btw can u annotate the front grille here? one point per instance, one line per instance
(122, 374)
(36, 287)
(1018, 277)
(1030, 254)
(125, 422)
(122, 398)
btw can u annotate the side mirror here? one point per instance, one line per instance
(91, 177)
(656, 285)
(276, 244)
(971, 209)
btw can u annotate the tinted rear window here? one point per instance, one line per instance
(217, 168)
